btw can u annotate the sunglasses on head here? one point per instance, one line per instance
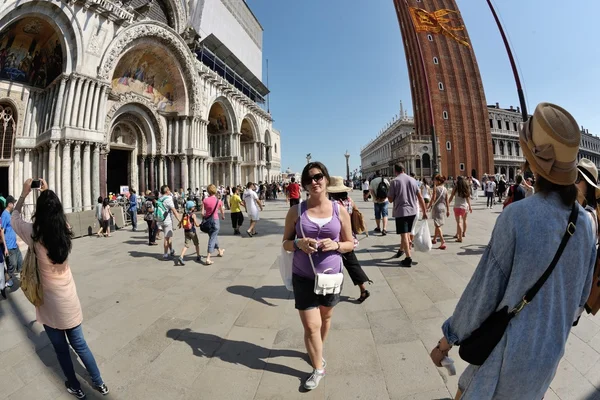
(316, 178)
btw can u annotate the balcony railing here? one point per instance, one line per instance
(498, 157)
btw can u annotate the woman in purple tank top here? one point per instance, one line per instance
(327, 235)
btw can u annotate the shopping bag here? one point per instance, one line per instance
(422, 240)
(286, 260)
(416, 221)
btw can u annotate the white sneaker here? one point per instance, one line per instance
(9, 284)
(165, 256)
(313, 381)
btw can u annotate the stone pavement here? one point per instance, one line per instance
(230, 330)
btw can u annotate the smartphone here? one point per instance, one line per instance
(35, 184)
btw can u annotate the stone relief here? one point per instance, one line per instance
(97, 42)
(123, 135)
(126, 39)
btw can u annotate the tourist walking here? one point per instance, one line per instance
(501, 188)
(318, 236)
(588, 190)
(462, 204)
(50, 236)
(166, 211)
(189, 224)
(379, 189)
(133, 207)
(148, 209)
(253, 204)
(237, 217)
(14, 262)
(404, 193)
(425, 191)
(440, 209)
(523, 362)
(98, 212)
(212, 206)
(365, 189)
(293, 192)
(338, 192)
(490, 189)
(106, 216)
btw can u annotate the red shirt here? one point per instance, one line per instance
(294, 190)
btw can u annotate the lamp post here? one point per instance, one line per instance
(347, 155)
(308, 158)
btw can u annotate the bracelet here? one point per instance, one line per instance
(296, 244)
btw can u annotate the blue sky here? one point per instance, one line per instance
(337, 70)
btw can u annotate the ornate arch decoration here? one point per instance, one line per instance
(177, 14)
(230, 113)
(268, 140)
(254, 124)
(62, 19)
(8, 128)
(128, 38)
(148, 121)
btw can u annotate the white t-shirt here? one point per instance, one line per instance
(365, 185)
(251, 201)
(425, 192)
(168, 203)
(490, 187)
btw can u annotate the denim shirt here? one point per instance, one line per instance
(525, 239)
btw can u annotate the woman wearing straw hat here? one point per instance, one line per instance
(587, 185)
(521, 365)
(339, 192)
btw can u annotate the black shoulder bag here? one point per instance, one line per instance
(479, 345)
(208, 223)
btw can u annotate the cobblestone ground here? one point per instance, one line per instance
(230, 330)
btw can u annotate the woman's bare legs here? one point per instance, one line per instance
(464, 218)
(312, 323)
(458, 229)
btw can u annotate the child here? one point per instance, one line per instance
(237, 217)
(189, 223)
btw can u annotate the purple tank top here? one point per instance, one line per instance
(322, 260)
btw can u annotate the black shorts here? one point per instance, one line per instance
(404, 224)
(294, 202)
(237, 219)
(306, 298)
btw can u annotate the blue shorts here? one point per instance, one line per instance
(381, 210)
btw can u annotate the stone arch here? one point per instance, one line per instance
(62, 19)
(8, 128)
(131, 36)
(231, 115)
(253, 123)
(269, 146)
(145, 118)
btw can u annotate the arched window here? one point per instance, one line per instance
(445, 114)
(517, 149)
(448, 145)
(494, 147)
(430, 38)
(8, 125)
(426, 161)
(436, 61)
(461, 166)
(501, 148)
(509, 148)
(418, 163)
(441, 85)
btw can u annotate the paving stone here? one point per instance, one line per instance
(215, 383)
(441, 394)
(570, 384)
(391, 326)
(580, 355)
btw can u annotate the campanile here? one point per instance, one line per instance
(447, 91)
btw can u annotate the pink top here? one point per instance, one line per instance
(61, 308)
(210, 203)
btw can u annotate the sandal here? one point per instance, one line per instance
(363, 296)
(221, 252)
(442, 247)
(433, 241)
(208, 262)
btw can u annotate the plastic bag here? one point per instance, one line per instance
(422, 240)
(286, 260)
(416, 222)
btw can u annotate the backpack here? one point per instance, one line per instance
(382, 190)
(160, 211)
(186, 222)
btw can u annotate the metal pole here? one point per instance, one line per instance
(512, 64)
(433, 134)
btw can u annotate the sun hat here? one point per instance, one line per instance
(589, 171)
(189, 205)
(336, 185)
(550, 142)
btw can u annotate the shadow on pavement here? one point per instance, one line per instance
(247, 354)
(472, 250)
(262, 293)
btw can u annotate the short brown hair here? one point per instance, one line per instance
(211, 189)
(440, 178)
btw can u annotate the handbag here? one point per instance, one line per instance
(326, 283)
(208, 224)
(31, 282)
(476, 348)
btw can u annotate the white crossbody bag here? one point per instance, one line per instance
(326, 283)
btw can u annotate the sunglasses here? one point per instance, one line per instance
(316, 178)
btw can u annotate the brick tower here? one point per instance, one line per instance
(446, 85)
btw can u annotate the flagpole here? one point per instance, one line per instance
(512, 64)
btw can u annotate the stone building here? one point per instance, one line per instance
(447, 91)
(589, 147)
(504, 125)
(95, 94)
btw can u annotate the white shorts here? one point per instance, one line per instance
(253, 216)
(168, 230)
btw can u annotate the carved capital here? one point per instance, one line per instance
(182, 158)
(27, 150)
(67, 144)
(171, 158)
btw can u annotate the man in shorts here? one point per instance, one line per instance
(404, 193)
(380, 202)
(167, 223)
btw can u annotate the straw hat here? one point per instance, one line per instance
(550, 142)
(336, 185)
(590, 173)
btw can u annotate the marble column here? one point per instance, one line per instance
(43, 108)
(169, 136)
(75, 104)
(230, 179)
(172, 173)
(57, 173)
(11, 181)
(161, 171)
(69, 102)
(101, 105)
(82, 105)
(184, 170)
(59, 102)
(94, 115)
(103, 170)
(17, 174)
(66, 176)
(33, 127)
(45, 162)
(142, 172)
(28, 173)
(52, 165)
(96, 172)
(151, 181)
(192, 175)
(28, 116)
(89, 105)
(85, 180)
(76, 185)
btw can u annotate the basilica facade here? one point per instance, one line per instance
(99, 94)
